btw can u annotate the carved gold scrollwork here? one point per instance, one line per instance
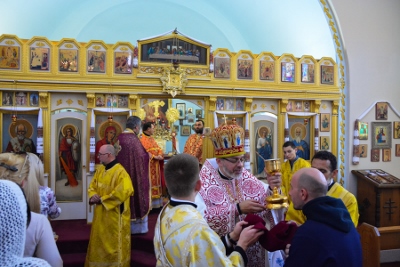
(212, 103)
(174, 80)
(248, 103)
(43, 97)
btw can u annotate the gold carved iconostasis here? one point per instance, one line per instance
(91, 88)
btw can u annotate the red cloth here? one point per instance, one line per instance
(278, 237)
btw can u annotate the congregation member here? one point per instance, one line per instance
(182, 236)
(229, 192)
(30, 177)
(326, 163)
(328, 237)
(134, 158)
(292, 164)
(194, 144)
(14, 219)
(110, 191)
(39, 240)
(156, 165)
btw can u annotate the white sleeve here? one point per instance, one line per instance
(46, 247)
(201, 205)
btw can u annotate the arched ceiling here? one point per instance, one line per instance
(291, 26)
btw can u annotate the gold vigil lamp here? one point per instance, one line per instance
(276, 201)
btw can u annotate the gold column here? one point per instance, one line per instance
(335, 137)
(44, 105)
(281, 126)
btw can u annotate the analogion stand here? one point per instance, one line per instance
(378, 197)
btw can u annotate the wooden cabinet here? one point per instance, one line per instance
(378, 197)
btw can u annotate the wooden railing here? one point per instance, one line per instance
(380, 246)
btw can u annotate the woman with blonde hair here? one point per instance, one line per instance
(48, 205)
(26, 170)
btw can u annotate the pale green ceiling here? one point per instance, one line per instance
(278, 26)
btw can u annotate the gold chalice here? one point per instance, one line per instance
(275, 201)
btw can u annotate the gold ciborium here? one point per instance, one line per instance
(276, 201)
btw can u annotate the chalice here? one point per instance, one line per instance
(276, 201)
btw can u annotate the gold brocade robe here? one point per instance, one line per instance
(110, 237)
(183, 238)
(287, 173)
(155, 170)
(336, 191)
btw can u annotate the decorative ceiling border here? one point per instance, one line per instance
(342, 64)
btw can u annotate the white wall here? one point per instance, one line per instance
(371, 35)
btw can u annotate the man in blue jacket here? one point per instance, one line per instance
(328, 237)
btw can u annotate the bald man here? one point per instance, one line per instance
(328, 237)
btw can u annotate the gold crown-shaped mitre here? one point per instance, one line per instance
(228, 140)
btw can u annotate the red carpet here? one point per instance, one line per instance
(73, 240)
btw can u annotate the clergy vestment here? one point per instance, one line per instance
(287, 173)
(183, 238)
(218, 198)
(156, 169)
(335, 191)
(134, 158)
(194, 146)
(110, 236)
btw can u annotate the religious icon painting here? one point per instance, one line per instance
(181, 107)
(222, 67)
(307, 73)
(363, 130)
(288, 71)
(327, 74)
(381, 135)
(122, 101)
(397, 150)
(239, 104)
(396, 129)
(68, 60)
(8, 99)
(386, 154)
(307, 106)
(11, 57)
(267, 70)
(381, 109)
(298, 106)
(324, 142)
(185, 130)
(21, 99)
(123, 62)
(289, 106)
(374, 155)
(199, 113)
(325, 124)
(96, 58)
(363, 151)
(220, 103)
(39, 58)
(245, 69)
(33, 99)
(100, 100)
(229, 104)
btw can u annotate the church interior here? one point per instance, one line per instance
(304, 71)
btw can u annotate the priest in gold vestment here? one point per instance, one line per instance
(326, 163)
(110, 191)
(156, 165)
(183, 237)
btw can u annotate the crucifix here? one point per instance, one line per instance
(156, 104)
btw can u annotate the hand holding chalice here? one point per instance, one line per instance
(273, 168)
